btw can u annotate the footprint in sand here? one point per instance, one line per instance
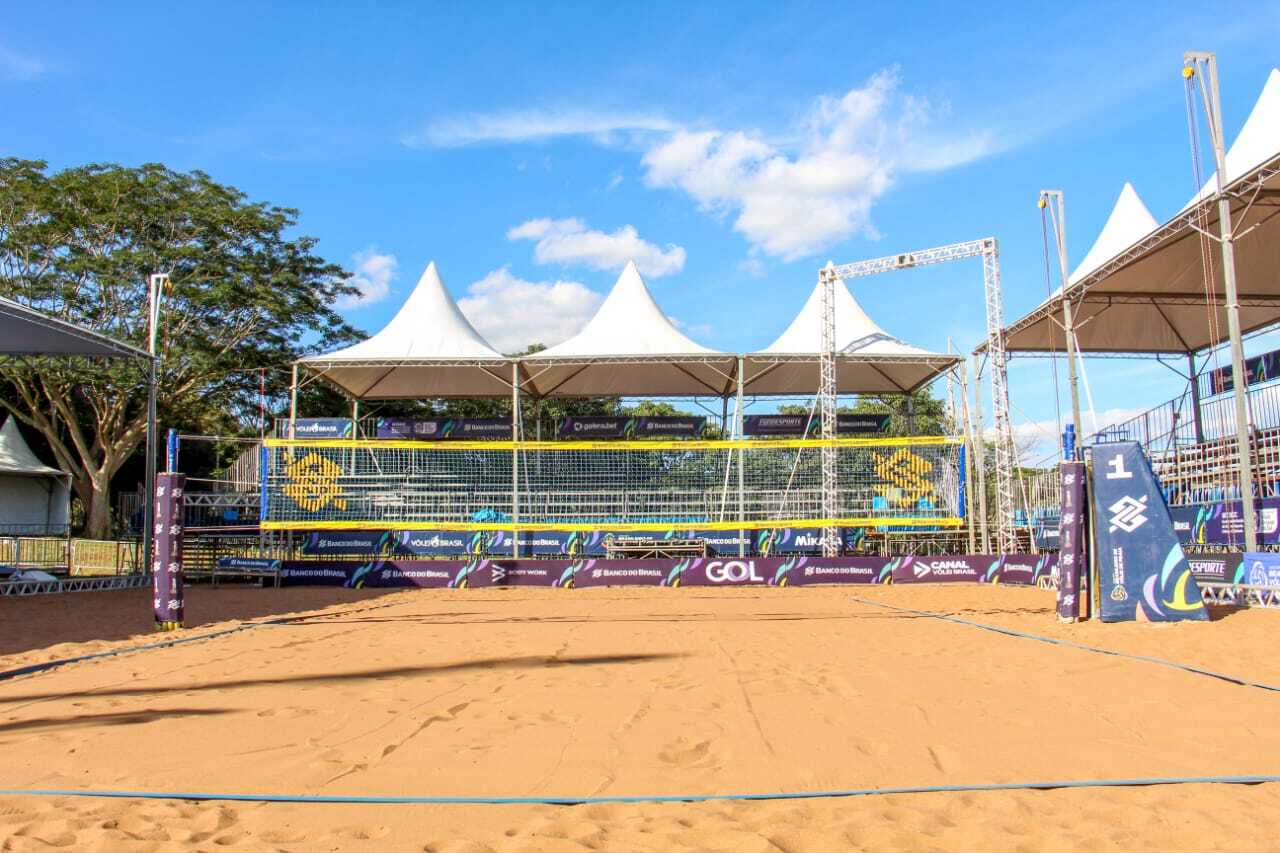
(685, 752)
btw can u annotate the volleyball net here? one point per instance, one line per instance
(608, 485)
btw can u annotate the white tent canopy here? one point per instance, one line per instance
(629, 347)
(869, 360)
(1148, 294)
(429, 349)
(34, 498)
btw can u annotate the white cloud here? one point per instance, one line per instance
(753, 267)
(1041, 441)
(19, 66)
(848, 153)
(512, 313)
(531, 125)
(372, 279)
(569, 241)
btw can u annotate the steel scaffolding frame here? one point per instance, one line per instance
(1005, 455)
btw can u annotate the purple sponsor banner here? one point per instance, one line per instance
(589, 573)
(808, 571)
(166, 565)
(1073, 598)
(445, 429)
(1027, 569)
(960, 568)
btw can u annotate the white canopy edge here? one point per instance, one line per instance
(1252, 161)
(26, 331)
(16, 456)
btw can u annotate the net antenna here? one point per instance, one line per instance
(1005, 453)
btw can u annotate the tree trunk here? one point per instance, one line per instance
(97, 515)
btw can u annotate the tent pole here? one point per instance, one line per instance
(737, 429)
(980, 455)
(1209, 88)
(293, 400)
(1197, 419)
(1059, 219)
(970, 452)
(515, 460)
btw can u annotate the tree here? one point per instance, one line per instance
(80, 244)
(929, 414)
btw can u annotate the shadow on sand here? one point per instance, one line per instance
(505, 663)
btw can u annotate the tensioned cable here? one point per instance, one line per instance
(318, 799)
(1243, 682)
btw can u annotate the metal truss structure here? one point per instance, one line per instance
(1240, 594)
(1005, 459)
(86, 584)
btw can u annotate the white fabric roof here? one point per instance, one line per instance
(1149, 295)
(629, 347)
(16, 457)
(869, 361)
(26, 331)
(1129, 222)
(429, 349)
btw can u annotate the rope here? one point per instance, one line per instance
(319, 799)
(1009, 632)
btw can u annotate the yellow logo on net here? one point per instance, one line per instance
(313, 483)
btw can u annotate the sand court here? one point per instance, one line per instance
(560, 693)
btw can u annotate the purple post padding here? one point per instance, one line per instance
(166, 567)
(1073, 598)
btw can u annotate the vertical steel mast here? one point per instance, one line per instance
(1192, 62)
(1006, 459)
(827, 411)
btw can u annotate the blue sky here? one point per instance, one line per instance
(530, 148)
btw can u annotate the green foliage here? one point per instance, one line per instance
(80, 244)
(929, 412)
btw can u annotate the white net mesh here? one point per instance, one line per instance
(598, 485)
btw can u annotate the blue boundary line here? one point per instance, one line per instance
(656, 798)
(1009, 632)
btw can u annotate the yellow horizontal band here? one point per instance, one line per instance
(766, 524)
(725, 444)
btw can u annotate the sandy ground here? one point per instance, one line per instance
(656, 691)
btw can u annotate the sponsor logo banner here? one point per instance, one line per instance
(588, 573)
(1220, 568)
(318, 428)
(1261, 569)
(624, 427)
(247, 564)
(1258, 369)
(970, 568)
(445, 429)
(794, 425)
(1027, 569)
(1073, 585)
(1222, 523)
(1142, 569)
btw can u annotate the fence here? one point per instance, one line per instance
(76, 556)
(631, 485)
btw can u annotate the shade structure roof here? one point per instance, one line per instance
(16, 457)
(869, 360)
(1149, 294)
(428, 349)
(629, 347)
(26, 331)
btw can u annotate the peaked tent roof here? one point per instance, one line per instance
(16, 456)
(429, 349)
(869, 359)
(26, 331)
(1149, 296)
(630, 346)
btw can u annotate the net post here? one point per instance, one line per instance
(742, 534)
(515, 460)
